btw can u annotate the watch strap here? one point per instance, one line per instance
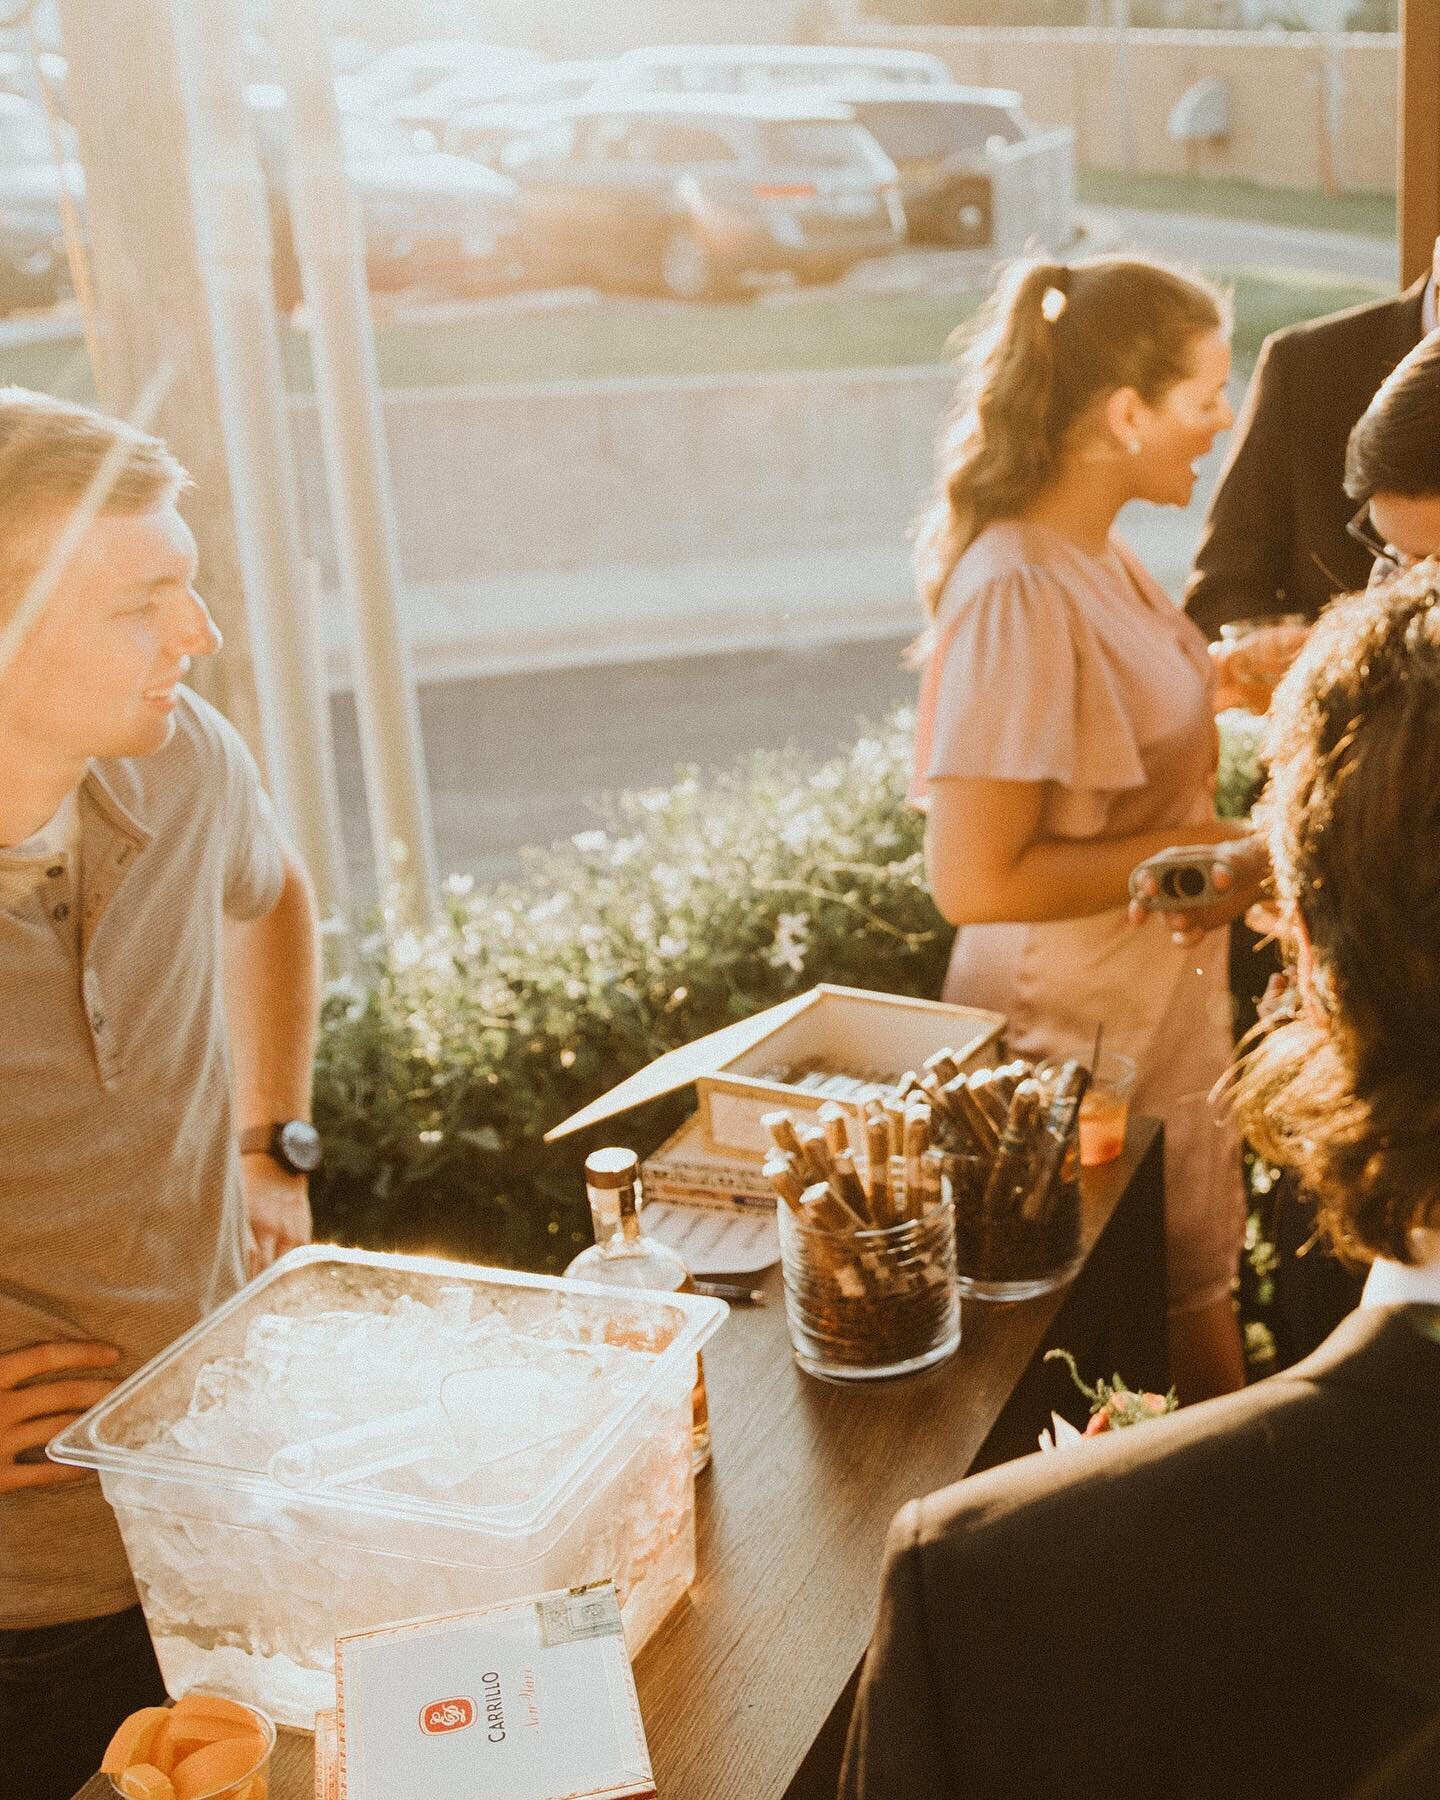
(257, 1138)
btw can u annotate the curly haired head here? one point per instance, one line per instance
(1348, 1094)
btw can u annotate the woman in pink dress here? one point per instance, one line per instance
(1066, 724)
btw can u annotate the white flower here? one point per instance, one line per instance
(548, 909)
(622, 850)
(431, 1137)
(796, 833)
(672, 946)
(886, 838)
(826, 780)
(407, 950)
(1065, 1434)
(590, 842)
(459, 884)
(792, 937)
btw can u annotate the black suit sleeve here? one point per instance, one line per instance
(1246, 552)
(896, 1749)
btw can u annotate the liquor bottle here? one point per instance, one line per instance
(622, 1256)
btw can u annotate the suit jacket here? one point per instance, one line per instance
(1410, 1773)
(1240, 1602)
(1274, 540)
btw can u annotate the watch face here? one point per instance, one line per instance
(299, 1146)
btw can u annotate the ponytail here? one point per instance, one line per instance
(1052, 341)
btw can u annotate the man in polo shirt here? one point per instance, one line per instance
(158, 992)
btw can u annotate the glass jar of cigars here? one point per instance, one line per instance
(1011, 1174)
(867, 1250)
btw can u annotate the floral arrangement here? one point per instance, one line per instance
(1113, 1406)
(445, 1057)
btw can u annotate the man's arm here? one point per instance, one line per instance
(1245, 552)
(272, 990)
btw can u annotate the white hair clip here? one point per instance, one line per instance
(1052, 303)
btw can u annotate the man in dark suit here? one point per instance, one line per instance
(1275, 538)
(1129, 1616)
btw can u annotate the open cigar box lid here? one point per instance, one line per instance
(848, 1027)
(678, 1068)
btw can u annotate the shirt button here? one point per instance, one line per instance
(98, 1022)
(62, 912)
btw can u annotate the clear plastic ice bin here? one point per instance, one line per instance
(541, 1440)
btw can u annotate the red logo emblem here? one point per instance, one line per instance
(447, 1715)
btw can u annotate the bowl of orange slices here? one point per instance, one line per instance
(204, 1747)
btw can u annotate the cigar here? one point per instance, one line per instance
(942, 1065)
(781, 1127)
(1008, 1077)
(783, 1174)
(814, 1157)
(877, 1156)
(821, 1210)
(1016, 1146)
(832, 1122)
(986, 1137)
(917, 1142)
(982, 1090)
(845, 1185)
(1059, 1128)
(932, 1167)
(895, 1124)
(941, 1103)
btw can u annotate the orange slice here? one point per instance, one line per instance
(143, 1781)
(215, 1706)
(133, 1739)
(217, 1766)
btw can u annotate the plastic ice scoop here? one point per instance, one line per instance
(480, 1416)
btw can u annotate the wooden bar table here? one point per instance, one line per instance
(746, 1688)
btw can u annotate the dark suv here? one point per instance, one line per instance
(688, 194)
(938, 139)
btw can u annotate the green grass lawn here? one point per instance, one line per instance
(1367, 215)
(835, 330)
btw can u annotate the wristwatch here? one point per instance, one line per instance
(294, 1143)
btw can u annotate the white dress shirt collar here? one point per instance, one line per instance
(1407, 1284)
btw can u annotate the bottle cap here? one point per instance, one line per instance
(612, 1168)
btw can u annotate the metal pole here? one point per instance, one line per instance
(233, 240)
(1419, 135)
(330, 247)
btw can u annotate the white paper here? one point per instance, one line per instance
(711, 1242)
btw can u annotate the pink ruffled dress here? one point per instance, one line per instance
(1054, 665)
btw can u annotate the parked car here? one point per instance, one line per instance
(409, 69)
(761, 68)
(437, 107)
(939, 139)
(33, 270)
(689, 194)
(429, 219)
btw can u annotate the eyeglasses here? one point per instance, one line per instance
(1388, 559)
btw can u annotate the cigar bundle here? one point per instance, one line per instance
(870, 1277)
(1009, 1138)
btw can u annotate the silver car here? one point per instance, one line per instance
(689, 194)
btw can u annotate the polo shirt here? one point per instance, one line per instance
(121, 1215)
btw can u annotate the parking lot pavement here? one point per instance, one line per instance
(523, 759)
(1243, 243)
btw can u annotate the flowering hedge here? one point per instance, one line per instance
(444, 1058)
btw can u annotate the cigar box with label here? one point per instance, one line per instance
(831, 1043)
(844, 1045)
(533, 1700)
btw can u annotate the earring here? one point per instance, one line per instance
(1133, 446)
